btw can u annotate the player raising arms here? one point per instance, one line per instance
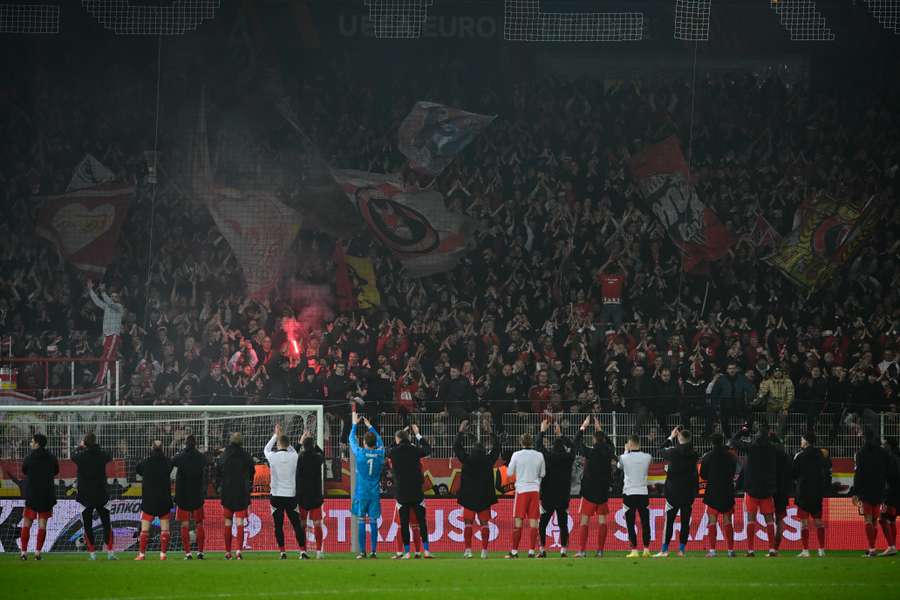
(190, 495)
(40, 468)
(717, 468)
(635, 495)
(813, 474)
(476, 488)
(309, 487)
(91, 462)
(235, 468)
(681, 487)
(528, 467)
(406, 465)
(869, 483)
(556, 487)
(595, 482)
(156, 498)
(366, 504)
(759, 482)
(283, 490)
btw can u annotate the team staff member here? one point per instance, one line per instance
(156, 498)
(406, 464)
(90, 461)
(476, 493)
(813, 474)
(556, 487)
(309, 487)
(528, 467)
(190, 495)
(717, 468)
(283, 490)
(635, 464)
(40, 468)
(681, 487)
(760, 483)
(235, 468)
(595, 483)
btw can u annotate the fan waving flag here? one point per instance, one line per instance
(663, 179)
(85, 224)
(415, 226)
(432, 134)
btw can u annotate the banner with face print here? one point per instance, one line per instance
(433, 134)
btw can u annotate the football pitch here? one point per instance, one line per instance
(261, 575)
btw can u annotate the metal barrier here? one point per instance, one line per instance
(50, 374)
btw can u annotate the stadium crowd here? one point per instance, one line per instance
(572, 300)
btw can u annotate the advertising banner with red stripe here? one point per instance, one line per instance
(445, 524)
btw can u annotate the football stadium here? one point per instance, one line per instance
(457, 298)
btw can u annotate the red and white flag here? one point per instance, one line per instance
(85, 224)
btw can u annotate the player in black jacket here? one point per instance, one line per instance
(556, 487)
(190, 495)
(235, 468)
(812, 471)
(873, 467)
(91, 462)
(760, 483)
(681, 487)
(40, 468)
(784, 482)
(595, 482)
(476, 492)
(156, 498)
(406, 465)
(888, 519)
(717, 468)
(309, 486)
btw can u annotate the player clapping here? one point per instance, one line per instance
(366, 504)
(476, 489)
(595, 482)
(635, 495)
(717, 468)
(156, 498)
(91, 462)
(283, 486)
(556, 487)
(528, 467)
(309, 487)
(40, 468)
(681, 487)
(873, 467)
(760, 483)
(813, 474)
(406, 464)
(190, 495)
(235, 469)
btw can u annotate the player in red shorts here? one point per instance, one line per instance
(812, 470)
(888, 519)
(235, 468)
(717, 468)
(595, 483)
(476, 493)
(40, 468)
(869, 481)
(190, 495)
(156, 498)
(527, 466)
(760, 483)
(309, 487)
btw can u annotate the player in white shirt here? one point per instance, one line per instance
(527, 466)
(635, 495)
(283, 489)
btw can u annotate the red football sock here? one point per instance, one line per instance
(145, 537)
(533, 536)
(89, 544)
(240, 538)
(164, 541)
(109, 541)
(820, 533)
(516, 537)
(871, 534)
(186, 538)
(24, 536)
(601, 536)
(399, 540)
(228, 538)
(42, 535)
(751, 535)
(711, 533)
(417, 538)
(583, 533)
(804, 538)
(485, 536)
(729, 536)
(770, 533)
(467, 536)
(201, 537)
(893, 539)
(320, 539)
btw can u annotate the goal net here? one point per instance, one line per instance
(127, 433)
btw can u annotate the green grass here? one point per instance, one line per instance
(260, 575)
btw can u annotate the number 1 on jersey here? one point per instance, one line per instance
(371, 462)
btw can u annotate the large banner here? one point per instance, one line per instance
(826, 233)
(415, 226)
(432, 135)
(445, 525)
(663, 179)
(84, 225)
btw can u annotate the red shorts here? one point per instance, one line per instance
(186, 515)
(764, 505)
(236, 514)
(586, 508)
(32, 514)
(314, 513)
(804, 515)
(149, 517)
(888, 512)
(873, 510)
(483, 516)
(527, 505)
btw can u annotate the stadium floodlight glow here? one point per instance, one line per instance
(29, 18)
(886, 12)
(802, 20)
(523, 21)
(176, 18)
(692, 20)
(398, 19)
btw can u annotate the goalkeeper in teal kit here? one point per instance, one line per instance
(366, 505)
